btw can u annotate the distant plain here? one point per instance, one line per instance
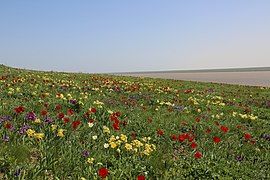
(242, 76)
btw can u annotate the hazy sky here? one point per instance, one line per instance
(126, 35)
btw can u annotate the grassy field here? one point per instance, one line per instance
(83, 126)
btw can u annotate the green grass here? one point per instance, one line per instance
(161, 125)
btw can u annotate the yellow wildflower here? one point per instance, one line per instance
(112, 138)
(60, 132)
(30, 132)
(39, 136)
(106, 129)
(90, 160)
(128, 146)
(37, 120)
(54, 127)
(123, 137)
(137, 143)
(113, 145)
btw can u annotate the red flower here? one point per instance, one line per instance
(216, 139)
(117, 121)
(113, 117)
(193, 145)
(188, 91)
(181, 137)
(160, 132)
(173, 137)
(198, 119)
(118, 114)
(253, 141)
(66, 120)
(91, 121)
(197, 155)
(8, 125)
(44, 112)
(58, 107)
(190, 138)
(19, 109)
(133, 135)
(93, 110)
(103, 172)
(61, 115)
(224, 129)
(208, 131)
(247, 136)
(75, 124)
(141, 177)
(70, 112)
(116, 126)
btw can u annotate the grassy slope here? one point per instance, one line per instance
(140, 102)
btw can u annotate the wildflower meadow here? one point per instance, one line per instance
(95, 126)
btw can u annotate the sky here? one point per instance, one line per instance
(142, 35)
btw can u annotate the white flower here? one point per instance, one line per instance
(90, 124)
(110, 112)
(94, 137)
(106, 145)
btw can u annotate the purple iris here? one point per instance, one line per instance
(17, 172)
(5, 118)
(85, 153)
(48, 120)
(5, 138)
(239, 158)
(73, 101)
(266, 137)
(23, 129)
(31, 116)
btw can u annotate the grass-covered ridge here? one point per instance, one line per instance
(76, 126)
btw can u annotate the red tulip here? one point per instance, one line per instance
(141, 177)
(160, 132)
(193, 145)
(216, 139)
(198, 155)
(103, 172)
(224, 129)
(247, 136)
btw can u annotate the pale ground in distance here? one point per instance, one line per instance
(252, 78)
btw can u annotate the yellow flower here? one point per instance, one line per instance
(112, 138)
(128, 146)
(39, 136)
(90, 160)
(118, 142)
(54, 127)
(60, 132)
(137, 143)
(144, 139)
(37, 120)
(113, 145)
(148, 149)
(30, 132)
(123, 137)
(106, 129)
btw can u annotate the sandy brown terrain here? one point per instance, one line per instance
(252, 78)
